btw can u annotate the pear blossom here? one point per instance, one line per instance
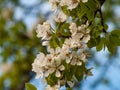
(44, 30)
(73, 28)
(45, 43)
(76, 59)
(54, 4)
(84, 1)
(38, 64)
(56, 54)
(60, 17)
(71, 4)
(86, 38)
(71, 52)
(69, 57)
(75, 42)
(55, 67)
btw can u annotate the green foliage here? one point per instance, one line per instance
(63, 30)
(110, 40)
(30, 86)
(52, 79)
(83, 10)
(100, 45)
(54, 42)
(113, 40)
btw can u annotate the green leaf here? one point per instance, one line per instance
(30, 86)
(91, 4)
(111, 46)
(93, 42)
(80, 72)
(64, 29)
(115, 33)
(106, 27)
(100, 44)
(114, 40)
(82, 11)
(52, 79)
(69, 89)
(97, 30)
(54, 42)
(61, 40)
(90, 15)
(65, 10)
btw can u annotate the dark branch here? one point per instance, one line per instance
(102, 20)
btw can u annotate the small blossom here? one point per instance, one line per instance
(44, 30)
(54, 4)
(76, 59)
(56, 54)
(38, 64)
(84, 1)
(71, 4)
(73, 28)
(55, 67)
(60, 17)
(45, 43)
(86, 38)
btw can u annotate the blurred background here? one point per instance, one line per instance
(19, 46)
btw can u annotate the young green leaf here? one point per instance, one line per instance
(52, 79)
(30, 86)
(100, 44)
(54, 42)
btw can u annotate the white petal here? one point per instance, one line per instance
(50, 50)
(51, 70)
(71, 84)
(84, 1)
(45, 43)
(73, 62)
(62, 67)
(60, 17)
(67, 60)
(57, 74)
(79, 63)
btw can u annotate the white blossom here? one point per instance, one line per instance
(71, 4)
(56, 54)
(45, 43)
(60, 17)
(38, 64)
(84, 1)
(54, 4)
(73, 28)
(86, 38)
(76, 59)
(72, 49)
(44, 30)
(55, 67)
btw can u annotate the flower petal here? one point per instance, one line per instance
(57, 74)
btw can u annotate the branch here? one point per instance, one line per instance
(102, 20)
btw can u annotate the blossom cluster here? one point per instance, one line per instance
(57, 62)
(71, 4)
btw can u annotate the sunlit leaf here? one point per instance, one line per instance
(30, 86)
